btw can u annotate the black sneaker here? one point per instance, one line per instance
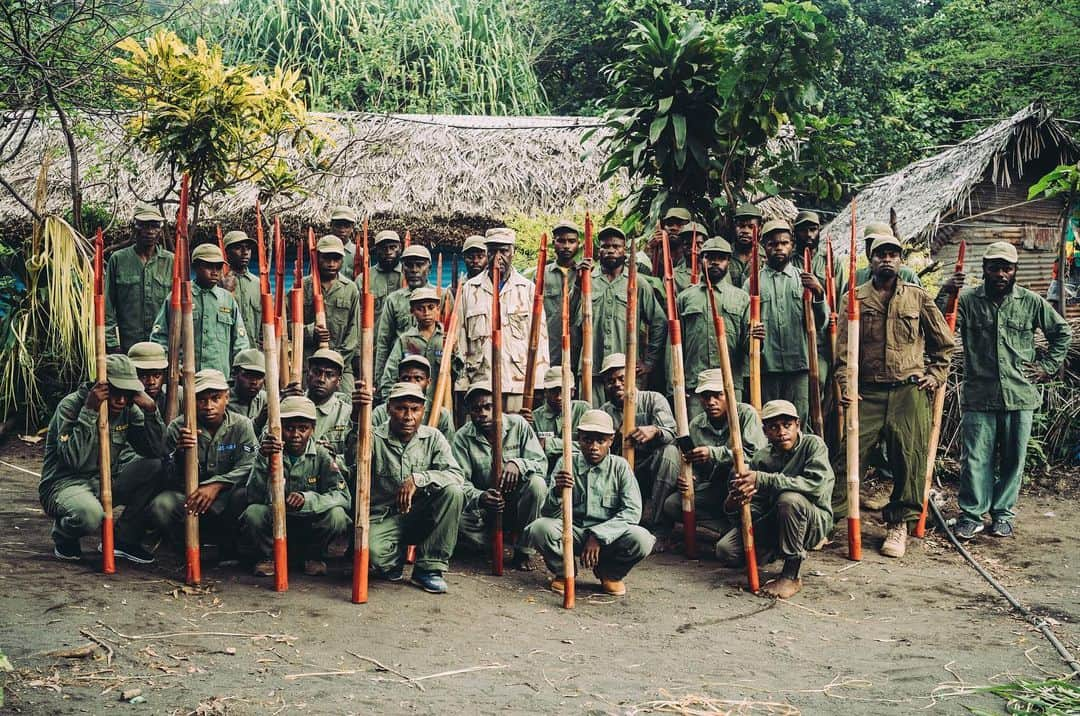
(967, 529)
(430, 582)
(1001, 528)
(133, 553)
(394, 574)
(67, 551)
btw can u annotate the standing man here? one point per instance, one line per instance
(242, 284)
(904, 350)
(785, 355)
(343, 222)
(474, 256)
(516, 294)
(700, 351)
(138, 279)
(683, 271)
(386, 274)
(342, 300)
(997, 323)
(396, 316)
(566, 239)
(220, 332)
(609, 314)
(808, 236)
(747, 216)
(876, 229)
(424, 337)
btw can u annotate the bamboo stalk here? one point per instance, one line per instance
(191, 459)
(630, 398)
(443, 389)
(755, 320)
(280, 306)
(273, 427)
(817, 419)
(534, 326)
(362, 508)
(695, 259)
(180, 273)
(108, 558)
(221, 245)
(568, 453)
(497, 398)
(316, 286)
(834, 327)
(586, 320)
(853, 475)
(296, 313)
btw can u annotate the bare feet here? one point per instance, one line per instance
(782, 588)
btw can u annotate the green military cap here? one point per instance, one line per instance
(416, 251)
(406, 391)
(553, 377)
(148, 212)
(610, 231)
(693, 229)
(208, 254)
(748, 210)
(120, 372)
(330, 244)
(343, 213)
(778, 409)
(386, 235)
(415, 359)
(427, 293)
(775, 225)
(236, 237)
(1003, 251)
(613, 361)
(881, 241)
(710, 381)
(877, 228)
(330, 356)
(716, 245)
(473, 242)
(807, 217)
(565, 226)
(500, 236)
(147, 355)
(210, 379)
(298, 406)
(678, 213)
(596, 421)
(480, 386)
(250, 359)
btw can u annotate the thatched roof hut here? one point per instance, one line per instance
(977, 192)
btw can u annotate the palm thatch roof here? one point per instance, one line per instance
(938, 187)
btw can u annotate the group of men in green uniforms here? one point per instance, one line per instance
(434, 487)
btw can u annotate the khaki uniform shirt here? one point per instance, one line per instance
(248, 297)
(342, 303)
(134, 292)
(252, 411)
(474, 454)
(226, 456)
(383, 283)
(553, 288)
(220, 332)
(652, 409)
(700, 350)
(396, 318)
(785, 347)
(427, 458)
(333, 425)
(804, 469)
(609, 320)
(410, 343)
(318, 475)
(607, 499)
(739, 270)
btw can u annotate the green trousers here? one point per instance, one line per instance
(308, 532)
(657, 471)
(793, 387)
(992, 437)
(789, 530)
(217, 526)
(896, 419)
(522, 507)
(709, 501)
(431, 525)
(545, 535)
(76, 509)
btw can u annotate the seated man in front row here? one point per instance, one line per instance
(607, 508)
(789, 485)
(317, 497)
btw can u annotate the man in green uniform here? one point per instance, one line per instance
(566, 240)
(876, 229)
(657, 459)
(997, 323)
(547, 420)
(71, 479)
(523, 483)
(220, 332)
(607, 508)
(225, 445)
(317, 498)
(386, 273)
(335, 413)
(242, 284)
(789, 486)
(682, 272)
(416, 494)
(137, 279)
(342, 300)
(609, 313)
(151, 364)
(474, 256)
(424, 337)
(785, 356)
(700, 350)
(808, 236)
(416, 369)
(396, 317)
(247, 395)
(343, 222)
(746, 217)
(904, 350)
(711, 456)
(673, 221)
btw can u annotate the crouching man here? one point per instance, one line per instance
(317, 497)
(607, 508)
(789, 487)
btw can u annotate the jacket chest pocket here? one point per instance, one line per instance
(226, 319)
(1020, 336)
(519, 325)
(478, 325)
(905, 329)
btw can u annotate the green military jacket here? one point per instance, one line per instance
(383, 283)
(249, 298)
(804, 469)
(700, 350)
(220, 332)
(473, 454)
(71, 445)
(427, 458)
(904, 338)
(134, 292)
(379, 416)
(342, 304)
(317, 474)
(253, 410)
(607, 499)
(785, 347)
(549, 426)
(226, 456)
(609, 320)
(703, 433)
(553, 289)
(348, 261)
(652, 409)
(739, 270)
(333, 426)
(682, 275)
(906, 274)
(409, 342)
(999, 345)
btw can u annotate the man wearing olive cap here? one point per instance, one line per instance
(424, 337)
(873, 230)
(220, 332)
(242, 284)
(343, 220)
(342, 300)
(386, 272)
(997, 322)
(682, 271)
(566, 241)
(247, 395)
(547, 420)
(474, 256)
(335, 413)
(70, 479)
(151, 364)
(747, 217)
(137, 279)
(673, 221)
(904, 351)
(417, 369)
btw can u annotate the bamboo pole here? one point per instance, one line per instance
(358, 256)
(695, 259)
(534, 326)
(939, 404)
(735, 431)
(443, 389)
(108, 558)
(755, 320)
(296, 313)
(221, 245)
(853, 475)
(438, 277)
(834, 328)
(630, 397)
(191, 459)
(401, 264)
(586, 320)
(568, 453)
(279, 306)
(362, 507)
(273, 427)
(316, 286)
(817, 419)
(497, 398)
(172, 395)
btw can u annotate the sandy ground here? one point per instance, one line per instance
(879, 636)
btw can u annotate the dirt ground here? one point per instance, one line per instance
(879, 636)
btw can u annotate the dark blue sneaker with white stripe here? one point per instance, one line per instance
(68, 551)
(430, 582)
(133, 553)
(967, 529)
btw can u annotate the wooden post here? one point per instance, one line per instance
(296, 313)
(817, 419)
(438, 277)
(534, 326)
(221, 245)
(853, 475)
(568, 453)
(755, 320)
(695, 259)
(586, 320)
(279, 306)
(108, 558)
(1063, 256)
(497, 402)
(630, 398)
(362, 508)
